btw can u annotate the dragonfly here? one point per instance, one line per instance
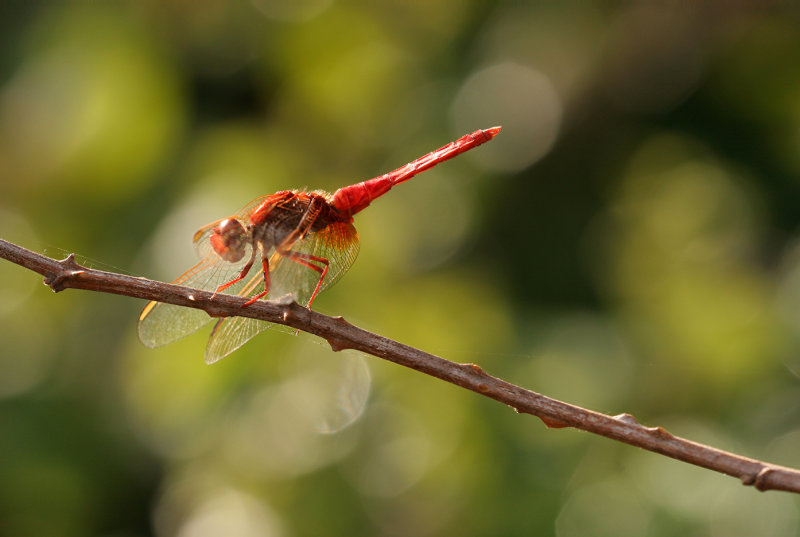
(291, 242)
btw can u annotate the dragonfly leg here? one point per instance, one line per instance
(241, 275)
(284, 248)
(265, 269)
(305, 260)
(217, 325)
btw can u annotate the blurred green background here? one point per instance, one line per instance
(628, 243)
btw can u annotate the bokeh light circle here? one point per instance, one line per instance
(522, 100)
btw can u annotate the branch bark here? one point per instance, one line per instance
(340, 334)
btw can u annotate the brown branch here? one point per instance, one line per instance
(341, 335)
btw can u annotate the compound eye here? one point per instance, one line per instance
(228, 240)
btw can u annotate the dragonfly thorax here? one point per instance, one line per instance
(290, 216)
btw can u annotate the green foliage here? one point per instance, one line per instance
(629, 243)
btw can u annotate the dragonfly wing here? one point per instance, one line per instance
(338, 243)
(160, 324)
(230, 333)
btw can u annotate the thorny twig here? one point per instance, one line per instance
(341, 335)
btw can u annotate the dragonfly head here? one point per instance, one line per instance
(228, 240)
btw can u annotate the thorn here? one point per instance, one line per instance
(659, 432)
(341, 320)
(759, 479)
(474, 368)
(58, 282)
(338, 344)
(70, 262)
(626, 418)
(553, 423)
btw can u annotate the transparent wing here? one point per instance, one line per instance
(338, 243)
(160, 324)
(230, 333)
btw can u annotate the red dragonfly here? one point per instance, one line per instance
(305, 242)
